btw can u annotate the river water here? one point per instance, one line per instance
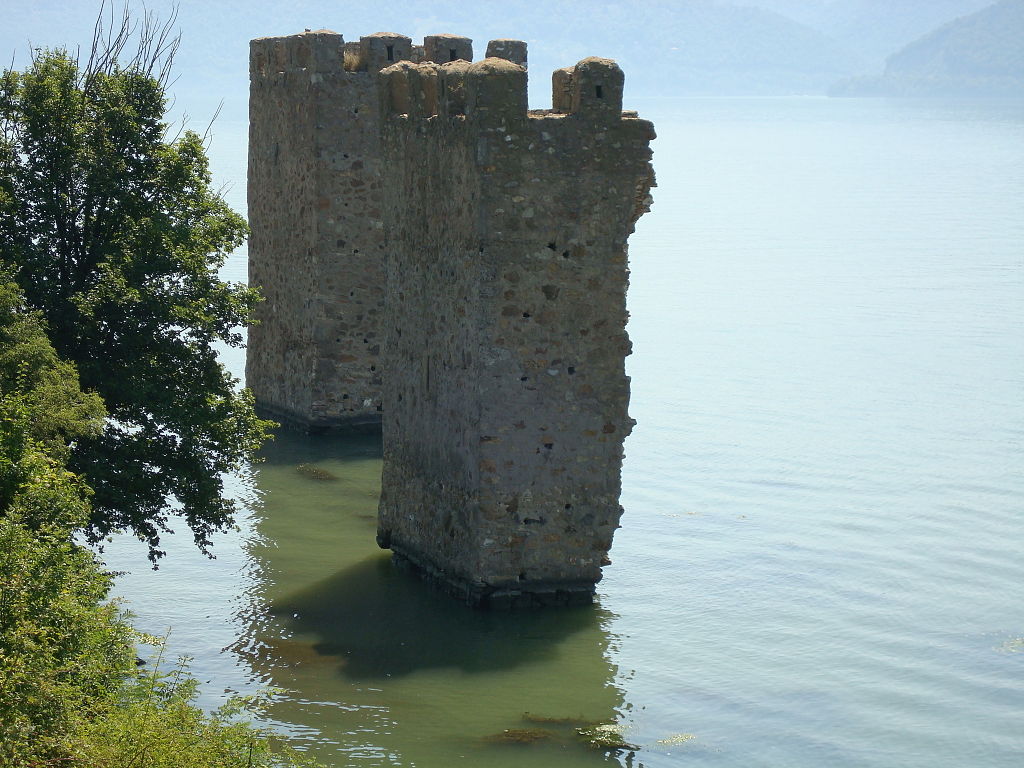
(822, 554)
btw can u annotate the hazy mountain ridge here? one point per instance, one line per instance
(981, 54)
(872, 29)
(667, 48)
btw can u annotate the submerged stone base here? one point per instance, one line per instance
(492, 597)
(355, 424)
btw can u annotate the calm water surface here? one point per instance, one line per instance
(821, 559)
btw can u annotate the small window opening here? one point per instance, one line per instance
(452, 55)
(526, 314)
(598, 91)
(552, 246)
(391, 53)
(571, 370)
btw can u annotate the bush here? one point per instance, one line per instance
(70, 692)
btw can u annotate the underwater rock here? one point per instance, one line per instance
(314, 473)
(606, 738)
(520, 736)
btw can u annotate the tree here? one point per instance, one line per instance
(117, 237)
(70, 690)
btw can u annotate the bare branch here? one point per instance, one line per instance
(209, 125)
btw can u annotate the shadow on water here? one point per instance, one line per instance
(290, 447)
(377, 620)
(378, 665)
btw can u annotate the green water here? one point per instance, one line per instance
(385, 665)
(820, 563)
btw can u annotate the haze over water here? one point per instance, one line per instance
(820, 561)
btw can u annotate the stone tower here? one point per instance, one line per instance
(317, 245)
(479, 249)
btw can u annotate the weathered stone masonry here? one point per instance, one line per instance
(317, 243)
(491, 271)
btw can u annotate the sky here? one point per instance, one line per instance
(667, 48)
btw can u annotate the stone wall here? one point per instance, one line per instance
(317, 243)
(505, 346)
(424, 233)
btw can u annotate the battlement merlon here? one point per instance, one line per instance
(324, 50)
(313, 51)
(441, 49)
(383, 49)
(513, 50)
(592, 88)
(494, 90)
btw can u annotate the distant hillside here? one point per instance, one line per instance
(872, 29)
(978, 55)
(688, 47)
(668, 48)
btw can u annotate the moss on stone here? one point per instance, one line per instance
(606, 737)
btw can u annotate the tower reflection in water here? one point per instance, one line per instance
(379, 669)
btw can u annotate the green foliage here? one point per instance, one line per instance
(42, 411)
(155, 723)
(117, 238)
(60, 648)
(69, 690)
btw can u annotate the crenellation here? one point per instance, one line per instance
(440, 260)
(562, 89)
(411, 89)
(383, 49)
(444, 48)
(496, 92)
(352, 53)
(504, 48)
(452, 88)
(596, 89)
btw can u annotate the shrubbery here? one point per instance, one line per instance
(70, 691)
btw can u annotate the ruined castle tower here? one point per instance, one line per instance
(408, 197)
(317, 252)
